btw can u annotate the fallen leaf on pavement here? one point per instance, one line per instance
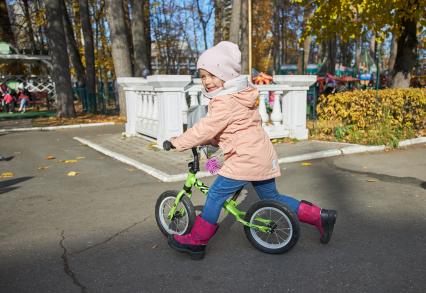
(72, 173)
(49, 157)
(154, 246)
(69, 161)
(371, 180)
(80, 158)
(130, 169)
(6, 175)
(42, 167)
(152, 147)
(306, 164)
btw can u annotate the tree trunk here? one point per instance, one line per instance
(372, 49)
(406, 55)
(393, 50)
(307, 14)
(147, 27)
(218, 17)
(29, 24)
(6, 33)
(119, 45)
(244, 38)
(128, 30)
(276, 37)
(60, 65)
(331, 55)
(345, 53)
(138, 33)
(89, 52)
(103, 56)
(73, 49)
(358, 51)
(234, 31)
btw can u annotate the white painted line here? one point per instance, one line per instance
(146, 168)
(57, 127)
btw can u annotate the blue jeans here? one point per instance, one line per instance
(223, 188)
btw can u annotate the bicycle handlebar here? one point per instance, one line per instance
(194, 165)
(167, 145)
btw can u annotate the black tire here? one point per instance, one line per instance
(285, 220)
(182, 224)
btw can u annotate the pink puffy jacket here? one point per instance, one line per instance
(234, 121)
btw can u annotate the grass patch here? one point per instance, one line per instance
(26, 115)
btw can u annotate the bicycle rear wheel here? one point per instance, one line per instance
(184, 217)
(283, 224)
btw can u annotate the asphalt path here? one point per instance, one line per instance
(96, 232)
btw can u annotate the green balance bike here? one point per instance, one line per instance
(269, 225)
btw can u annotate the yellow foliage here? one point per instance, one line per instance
(404, 108)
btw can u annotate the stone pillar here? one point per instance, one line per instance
(294, 102)
(132, 86)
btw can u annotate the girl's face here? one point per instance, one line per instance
(210, 81)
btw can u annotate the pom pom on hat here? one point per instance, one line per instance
(222, 60)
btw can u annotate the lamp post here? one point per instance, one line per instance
(249, 37)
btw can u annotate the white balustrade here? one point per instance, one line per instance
(157, 106)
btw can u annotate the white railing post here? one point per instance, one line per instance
(170, 91)
(132, 87)
(263, 99)
(276, 115)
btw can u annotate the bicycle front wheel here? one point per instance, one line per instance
(182, 220)
(281, 221)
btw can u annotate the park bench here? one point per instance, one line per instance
(40, 99)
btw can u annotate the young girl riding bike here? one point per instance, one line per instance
(234, 124)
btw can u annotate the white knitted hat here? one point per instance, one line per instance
(222, 60)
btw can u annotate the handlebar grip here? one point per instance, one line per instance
(167, 145)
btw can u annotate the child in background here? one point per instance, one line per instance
(8, 102)
(23, 100)
(234, 123)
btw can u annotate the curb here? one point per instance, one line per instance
(47, 128)
(347, 150)
(146, 168)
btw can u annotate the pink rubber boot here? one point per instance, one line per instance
(323, 219)
(195, 242)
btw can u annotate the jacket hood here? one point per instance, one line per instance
(247, 97)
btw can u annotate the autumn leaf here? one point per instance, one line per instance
(6, 175)
(42, 167)
(49, 157)
(80, 158)
(72, 173)
(306, 164)
(69, 161)
(371, 180)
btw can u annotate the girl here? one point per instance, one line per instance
(234, 123)
(23, 100)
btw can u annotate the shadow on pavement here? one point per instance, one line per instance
(7, 185)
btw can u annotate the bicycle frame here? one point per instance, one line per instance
(230, 205)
